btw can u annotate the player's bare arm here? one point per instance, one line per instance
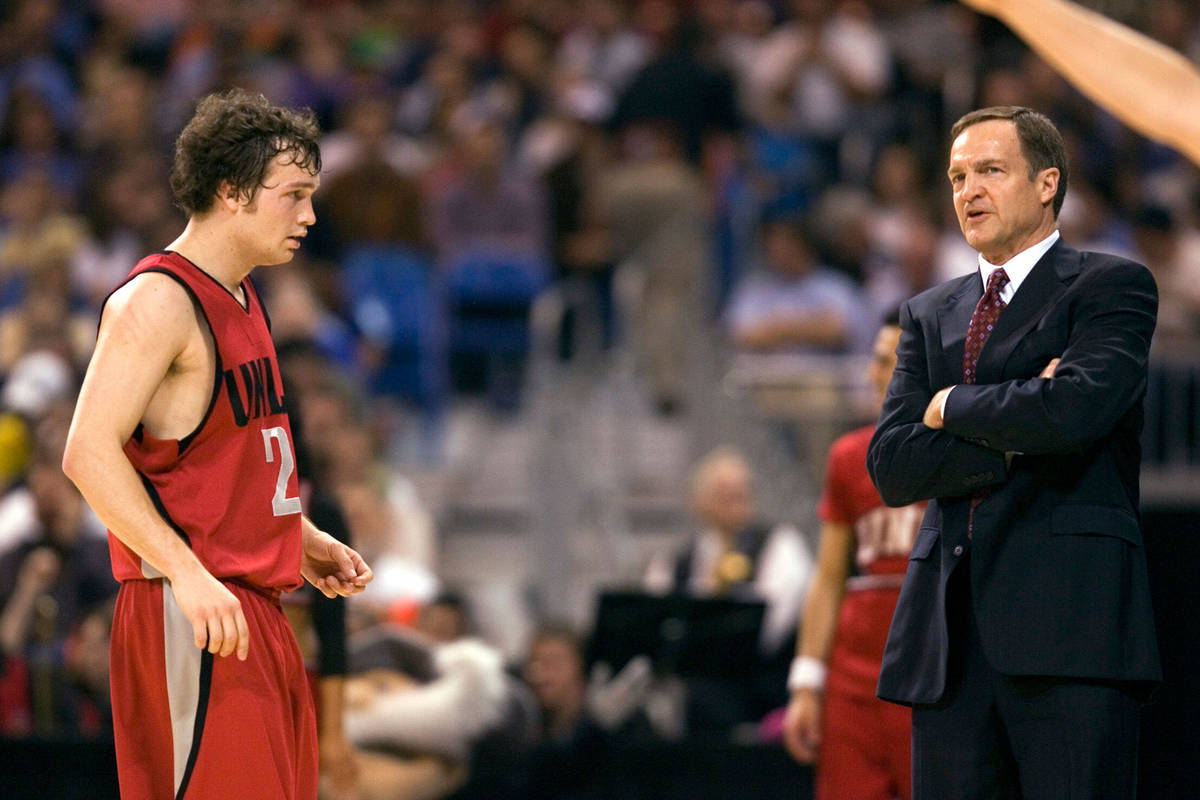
(153, 364)
(802, 722)
(1147, 85)
(331, 566)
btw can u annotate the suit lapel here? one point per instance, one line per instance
(1040, 290)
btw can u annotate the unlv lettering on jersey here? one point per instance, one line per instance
(885, 532)
(254, 381)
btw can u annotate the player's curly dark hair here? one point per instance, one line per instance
(234, 136)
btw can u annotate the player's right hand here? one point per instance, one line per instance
(218, 623)
(802, 725)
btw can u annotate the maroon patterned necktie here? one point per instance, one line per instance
(987, 311)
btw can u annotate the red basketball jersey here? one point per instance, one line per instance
(229, 487)
(884, 537)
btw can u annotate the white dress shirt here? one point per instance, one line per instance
(1017, 268)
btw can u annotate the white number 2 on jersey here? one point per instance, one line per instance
(281, 504)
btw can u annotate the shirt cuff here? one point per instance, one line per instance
(942, 410)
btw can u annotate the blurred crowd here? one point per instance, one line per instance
(772, 169)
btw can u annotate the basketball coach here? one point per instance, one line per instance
(1023, 638)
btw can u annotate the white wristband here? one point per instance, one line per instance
(807, 673)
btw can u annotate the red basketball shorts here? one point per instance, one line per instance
(864, 752)
(192, 725)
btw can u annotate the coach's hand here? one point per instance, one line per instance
(218, 623)
(802, 725)
(331, 566)
(933, 412)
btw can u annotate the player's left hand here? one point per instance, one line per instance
(332, 567)
(802, 725)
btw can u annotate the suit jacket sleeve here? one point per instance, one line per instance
(908, 461)
(1101, 375)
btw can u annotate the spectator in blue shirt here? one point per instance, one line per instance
(794, 304)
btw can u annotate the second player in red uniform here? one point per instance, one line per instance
(860, 744)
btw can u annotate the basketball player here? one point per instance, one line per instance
(181, 445)
(860, 744)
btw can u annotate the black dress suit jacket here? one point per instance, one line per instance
(1058, 572)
